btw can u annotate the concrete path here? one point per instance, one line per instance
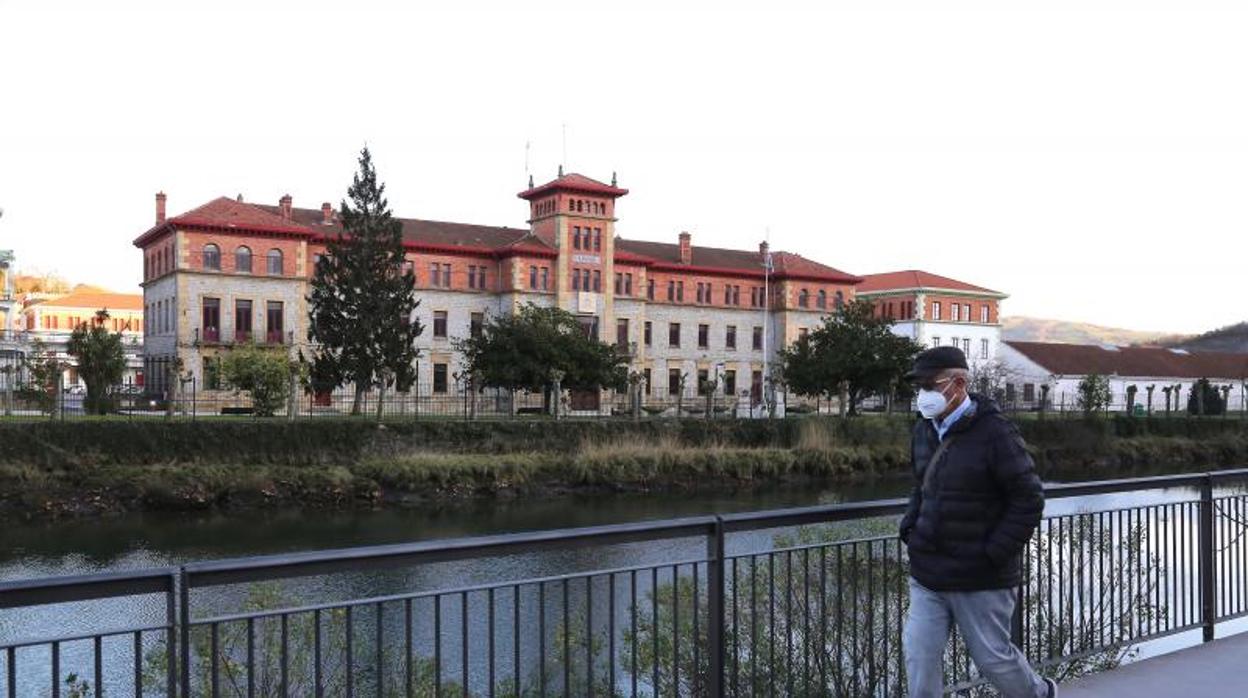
(1218, 669)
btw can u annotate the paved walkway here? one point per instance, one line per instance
(1218, 669)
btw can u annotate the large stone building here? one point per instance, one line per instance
(229, 271)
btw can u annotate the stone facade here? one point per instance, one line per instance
(569, 256)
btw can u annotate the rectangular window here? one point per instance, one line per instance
(730, 337)
(673, 334)
(671, 291)
(589, 323)
(242, 321)
(533, 277)
(597, 239)
(439, 378)
(645, 376)
(1029, 392)
(704, 333)
(966, 346)
(730, 382)
(700, 296)
(1009, 393)
(935, 310)
(621, 333)
(727, 294)
(597, 281)
(983, 313)
(545, 278)
(619, 283)
(650, 289)
(758, 339)
(649, 332)
(472, 276)
(275, 322)
(953, 312)
(211, 319)
(736, 295)
(446, 275)
(439, 324)
(680, 292)
(935, 341)
(673, 381)
(704, 381)
(983, 348)
(966, 312)
(576, 279)
(435, 274)
(576, 237)
(628, 284)
(756, 387)
(476, 323)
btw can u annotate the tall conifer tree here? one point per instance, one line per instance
(363, 297)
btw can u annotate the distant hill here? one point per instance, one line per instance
(1030, 329)
(1233, 338)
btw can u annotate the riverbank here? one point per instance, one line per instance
(91, 468)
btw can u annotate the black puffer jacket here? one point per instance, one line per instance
(967, 525)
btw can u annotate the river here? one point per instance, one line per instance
(142, 540)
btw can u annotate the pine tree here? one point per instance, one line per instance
(363, 298)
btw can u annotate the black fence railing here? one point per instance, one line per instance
(818, 613)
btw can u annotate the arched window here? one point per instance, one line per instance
(275, 261)
(803, 299)
(212, 257)
(571, 205)
(242, 259)
(821, 301)
(840, 300)
(580, 206)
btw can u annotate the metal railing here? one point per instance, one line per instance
(818, 613)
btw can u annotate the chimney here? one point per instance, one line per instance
(160, 207)
(686, 248)
(284, 203)
(327, 214)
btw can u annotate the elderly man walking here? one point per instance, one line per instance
(976, 502)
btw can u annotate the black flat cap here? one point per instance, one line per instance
(931, 362)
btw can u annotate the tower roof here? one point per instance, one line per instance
(573, 182)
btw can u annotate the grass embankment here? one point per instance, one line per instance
(50, 469)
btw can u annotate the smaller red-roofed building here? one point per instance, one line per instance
(936, 310)
(49, 320)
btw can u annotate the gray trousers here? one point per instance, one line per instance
(983, 619)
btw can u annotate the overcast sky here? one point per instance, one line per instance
(1087, 158)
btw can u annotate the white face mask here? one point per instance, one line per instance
(932, 403)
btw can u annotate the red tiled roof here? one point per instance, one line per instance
(1144, 362)
(437, 235)
(224, 212)
(95, 299)
(914, 278)
(573, 182)
(746, 262)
